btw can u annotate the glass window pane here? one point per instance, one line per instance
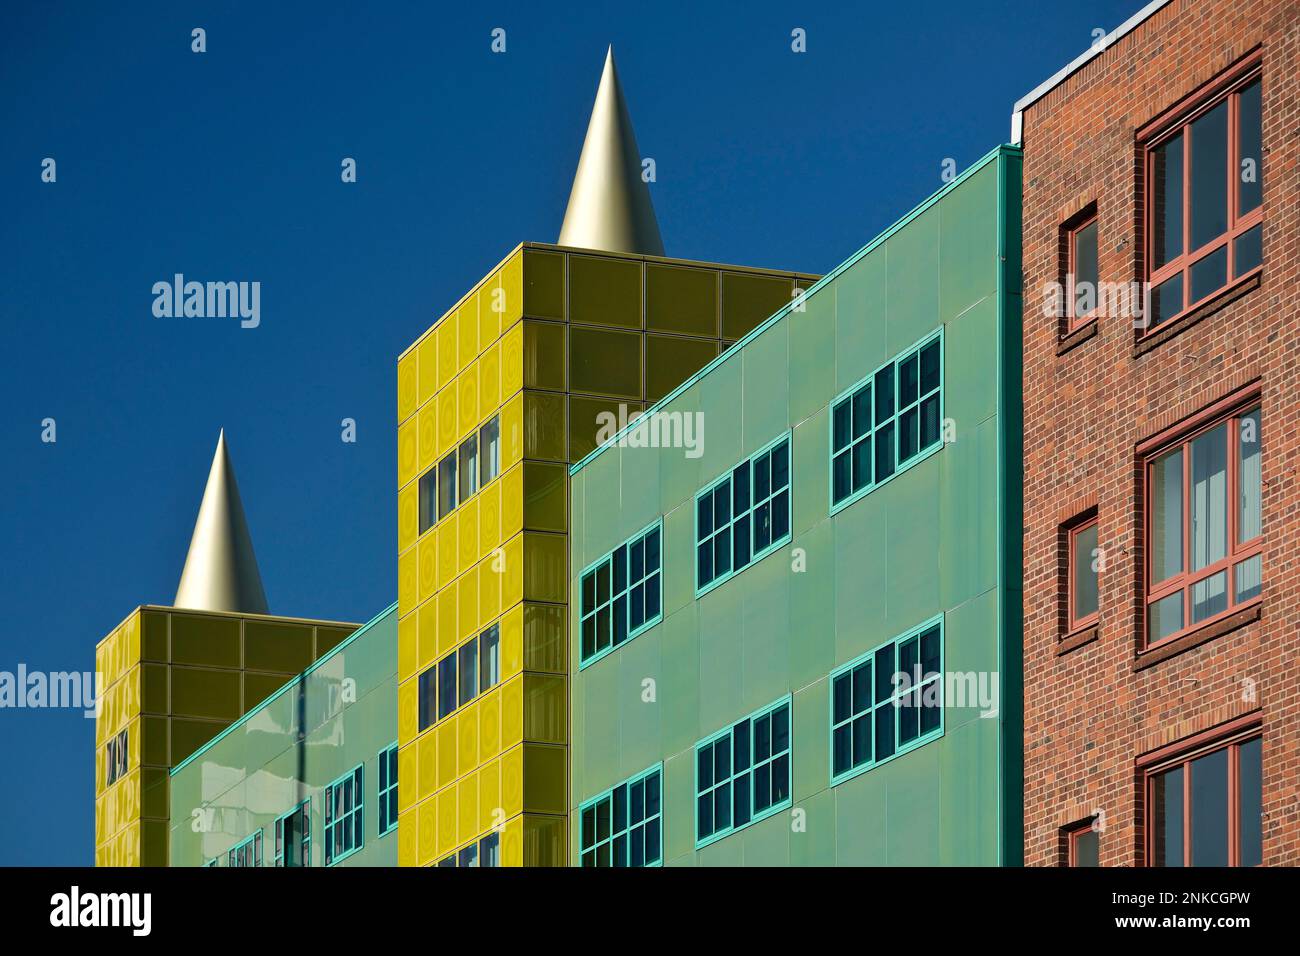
(1249, 803)
(1209, 274)
(1165, 617)
(861, 474)
(909, 380)
(842, 476)
(884, 385)
(929, 421)
(446, 685)
(930, 367)
(885, 452)
(1250, 191)
(468, 672)
(1248, 476)
(1085, 848)
(428, 499)
(1209, 490)
(1209, 192)
(1166, 300)
(489, 440)
(1210, 596)
(446, 485)
(842, 424)
(1210, 809)
(1249, 579)
(1167, 201)
(704, 517)
(468, 467)
(489, 658)
(1167, 818)
(1247, 251)
(1167, 516)
(1084, 577)
(1085, 269)
(862, 411)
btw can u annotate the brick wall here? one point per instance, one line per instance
(1091, 710)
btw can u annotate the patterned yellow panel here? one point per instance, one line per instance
(512, 712)
(467, 518)
(133, 737)
(130, 847)
(102, 653)
(446, 732)
(467, 738)
(428, 551)
(489, 724)
(512, 843)
(467, 586)
(446, 350)
(408, 458)
(407, 716)
(407, 386)
(512, 361)
(489, 310)
(408, 659)
(467, 402)
(446, 821)
(427, 640)
(448, 545)
(428, 363)
(512, 432)
(407, 581)
(131, 695)
(407, 839)
(408, 768)
(428, 843)
(489, 796)
(448, 605)
(489, 590)
(467, 330)
(408, 516)
(429, 447)
(129, 797)
(101, 774)
(427, 746)
(131, 638)
(489, 517)
(512, 502)
(512, 642)
(467, 804)
(512, 782)
(489, 381)
(512, 577)
(512, 290)
(447, 421)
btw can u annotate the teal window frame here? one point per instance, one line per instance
(386, 778)
(619, 600)
(278, 849)
(892, 423)
(861, 715)
(253, 845)
(754, 762)
(618, 842)
(744, 520)
(350, 818)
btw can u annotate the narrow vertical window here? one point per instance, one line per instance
(468, 667)
(1082, 272)
(428, 499)
(446, 685)
(1082, 574)
(387, 774)
(489, 442)
(469, 467)
(1083, 844)
(489, 658)
(447, 485)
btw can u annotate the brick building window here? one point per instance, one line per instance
(1203, 802)
(1081, 270)
(1203, 525)
(1204, 196)
(1081, 559)
(1082, 843)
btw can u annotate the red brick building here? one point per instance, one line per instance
(1162, 443)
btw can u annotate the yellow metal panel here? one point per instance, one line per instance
(428, 550)
(546, 496)
(467, 329)
(429, 448)
(428, 364)
(446, 421)
(546, 567)
(545, 356)
(512, 502)
(512, 290)
(428, 839)
(489, 517)
(446, 821)
(512, 781)
(407, 581)
(407, 454)
(512, 576)
(512, 642)
(489, 796)
(512, 843)
(408, 659)
(407, 389)
(446, 732)
(545, 709)
(512, 712)
(446, 350)
(467, 402)
(427, 746)
(101, 774)
(512, 432)
(131, 636)
(512, 361)
(489, 310)
(408, 768)
(408, 516)
(545, 433)
(467, 804)
(489, 380)
(448, 600)
(407, 717)
(489, 589)
(489, 724)
(448, 544)
(544, 632)
(467, 586)
(467, 734)
(427, 640)
(407, 839)
(467, 518)
(544, 840)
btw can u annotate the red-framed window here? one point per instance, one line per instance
(1203, 801)
(1204, 196)
(1081, 271)
(1203, 522)
(1083, 843)
(1082, 558)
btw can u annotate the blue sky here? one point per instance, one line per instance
(225, 166)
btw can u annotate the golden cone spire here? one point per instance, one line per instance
(609, 206)
(221, 570)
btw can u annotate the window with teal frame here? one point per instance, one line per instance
(624, 825)
(887, 702)
(742, 516)
(887, 422)
(621, 594)
(344, 816)
(388, 790)
(247, 852)
(742, 774)
(293, 836)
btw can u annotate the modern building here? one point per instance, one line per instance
(174, 677)
(797, 641)
(512, 384)
(308, 777)
(1162, 653)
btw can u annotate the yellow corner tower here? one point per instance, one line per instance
(172, 678)
(495, 401)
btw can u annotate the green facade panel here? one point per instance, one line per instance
(938, 540)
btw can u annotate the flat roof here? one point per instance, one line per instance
(1097, 48)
